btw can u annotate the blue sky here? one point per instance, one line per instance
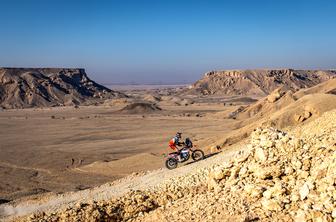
(167, 41)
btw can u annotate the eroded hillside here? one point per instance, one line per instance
(258, 82)
(46, 87)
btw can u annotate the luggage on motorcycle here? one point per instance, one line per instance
(188, 143)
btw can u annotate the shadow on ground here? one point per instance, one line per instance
(205, 157)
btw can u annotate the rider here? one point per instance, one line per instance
(175, 141)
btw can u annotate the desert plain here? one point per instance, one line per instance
(63, 149)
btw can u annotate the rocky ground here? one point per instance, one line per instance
(278, 177)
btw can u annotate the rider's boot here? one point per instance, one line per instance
(179, 157)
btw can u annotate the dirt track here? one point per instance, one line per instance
(110, 190)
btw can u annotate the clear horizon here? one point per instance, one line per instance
(167, 42)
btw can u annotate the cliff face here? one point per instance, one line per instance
(45, 87)
(258, 82)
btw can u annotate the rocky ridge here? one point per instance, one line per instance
(46, 87)
(278, 177)
(258, 82)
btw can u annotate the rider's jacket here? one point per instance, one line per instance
(173, 142)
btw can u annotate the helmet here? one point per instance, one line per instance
(178, 134)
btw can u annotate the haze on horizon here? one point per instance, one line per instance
(167, 41)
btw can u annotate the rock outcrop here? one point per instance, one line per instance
(258, 82)
(283, 177)
(46, 87)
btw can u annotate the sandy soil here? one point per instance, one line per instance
(67, 149)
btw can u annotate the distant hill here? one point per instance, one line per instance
(258, 82)
(45, 87)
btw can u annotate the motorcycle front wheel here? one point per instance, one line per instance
(197, 155)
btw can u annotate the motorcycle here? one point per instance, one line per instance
(184, 155)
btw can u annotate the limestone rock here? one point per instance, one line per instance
(271, 205)
(304, 191)
(260, 155)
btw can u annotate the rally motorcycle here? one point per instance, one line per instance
(184, 155)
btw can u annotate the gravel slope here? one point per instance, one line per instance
(111, 190)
